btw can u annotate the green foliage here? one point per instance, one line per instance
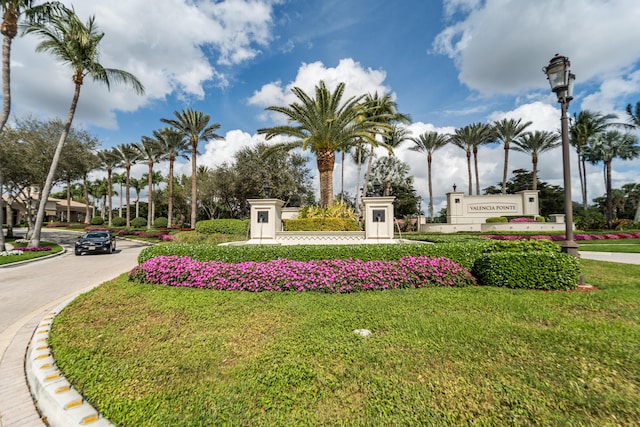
(321, 224)
(138, 222)
(97, 220)
(118, 221)
(528, 270)
(161, 222)
(336, 210)
(497, 219)
(542, 245)
(223, 226)
(590, 219)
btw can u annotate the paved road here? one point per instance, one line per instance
(28, 292)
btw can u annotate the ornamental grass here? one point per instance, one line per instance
(330, 275)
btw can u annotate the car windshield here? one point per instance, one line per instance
(95, 235)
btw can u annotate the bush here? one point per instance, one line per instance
(321, 224)
(97, 220)
(223, 226)
(496, 219)
(521, 246)
(189, 237)
(336, 210)
(161, 222)
(528, 270)
(138, 222)
(118, 221)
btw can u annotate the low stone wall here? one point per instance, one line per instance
(495, 226)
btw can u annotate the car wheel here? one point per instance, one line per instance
(78, 253)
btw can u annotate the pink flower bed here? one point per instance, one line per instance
(557, 238)
(522, 219)
(38, 249)
(333, 275)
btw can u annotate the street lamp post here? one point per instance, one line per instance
(561, 81)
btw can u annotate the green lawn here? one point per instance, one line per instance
(10, 259)
(156, 356)
(611, 245)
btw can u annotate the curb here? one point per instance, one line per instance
(17, 263)
(58, 402)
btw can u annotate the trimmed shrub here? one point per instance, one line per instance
(540, 219)
(496, 219)
(321, 224)
(189, 237)
(118, 221)
(528, 270)
(138, 222)
(223, 226)
(521, 246)
(161, 222)
(336, 210)
(97, 220)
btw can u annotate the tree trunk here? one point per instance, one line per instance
(342, 178)
(170, 213)
(534, 163)
(44, 193)
(68, 200)
(326, 161)
(358, 193)
(505, 170)
(85, 194)
(110, 195)
(9, 216)
(120, 206)
(429, 159)
(128, 185)
(2, 240)
(367, 174)
(584, 190)
(607, 166)
(469, 172)
(194, 184)
(150, 196)
(475, 164)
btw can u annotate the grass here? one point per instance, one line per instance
(621, 245)
(156, 356)
(10, 259)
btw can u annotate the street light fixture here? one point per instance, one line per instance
(561, 80)
(267, 190)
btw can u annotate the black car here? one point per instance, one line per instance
(96, 241)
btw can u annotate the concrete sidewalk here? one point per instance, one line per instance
(620, 257)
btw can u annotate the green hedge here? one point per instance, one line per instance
(161, 222)
(97, 220)
(542, 245)
(528, 270)
(321, 224)
(496, 219)
(223, 226)
(118, 221)
(138, 222)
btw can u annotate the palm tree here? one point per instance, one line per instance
(604, 147)
(507, 130)
(109, 161)
(195, 125)
(428, 143)
(129, 157)
(536, 143)
(137, 185)
(76, 44)
(634, 117)
(323, 125)
(12, 10)
(469, 138)
(384, 111)
(150, 151)
(174, 145)
(587, 124)
(119, 178)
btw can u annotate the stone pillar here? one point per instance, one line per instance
(530, 203)
(378, 214)
(266, 220)
(455, 208)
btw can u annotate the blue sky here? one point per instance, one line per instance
(447, 63)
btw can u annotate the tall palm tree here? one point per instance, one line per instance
(507, 130)
(174, 145)
(428, 143)
(634, 117)
(195, 125)
(150, 151)
(12, 10)
(323, 125)
(585, 125)
(536, 143)
(137, 185)
(76, 44)
(382, 110)
(604, 147)
(469, 138)
(129, 157)
(109, 161)
(120, 178)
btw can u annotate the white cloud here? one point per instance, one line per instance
(501, 45)
(358, 81)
